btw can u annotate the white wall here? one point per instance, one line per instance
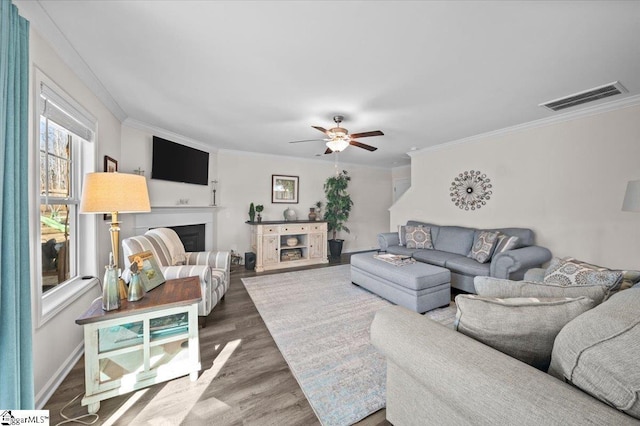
(246, 178)
(58, 342)
(564, 180)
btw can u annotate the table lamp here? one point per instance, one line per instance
(631, 201)
(114, 193)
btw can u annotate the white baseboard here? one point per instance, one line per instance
(52, 384)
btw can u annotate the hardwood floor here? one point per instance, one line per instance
(244, 378)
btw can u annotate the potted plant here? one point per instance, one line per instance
(337, 209)
(259, 208)
(252, 213)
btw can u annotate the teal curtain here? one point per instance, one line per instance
(16, 355)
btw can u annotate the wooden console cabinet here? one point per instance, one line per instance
(272, 243)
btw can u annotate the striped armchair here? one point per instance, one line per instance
(212, 267)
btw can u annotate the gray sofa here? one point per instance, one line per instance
(436, 375)
(453, 243)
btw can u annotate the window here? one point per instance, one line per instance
(61, 154)
(58, 203)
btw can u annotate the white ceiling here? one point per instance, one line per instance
(252, 76)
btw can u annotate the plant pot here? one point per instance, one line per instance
(335, 248)
(312, 213)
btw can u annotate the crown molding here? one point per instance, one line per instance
(627, 102)
(41, 22)
(168, 134)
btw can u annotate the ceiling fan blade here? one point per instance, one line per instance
(328, 151)
(362, 145)
(322, 129)
(367, 134)
(308, 140)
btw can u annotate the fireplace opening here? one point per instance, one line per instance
(192, 236)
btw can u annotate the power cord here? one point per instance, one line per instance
(76, 419)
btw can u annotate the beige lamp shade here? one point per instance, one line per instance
(114, 192)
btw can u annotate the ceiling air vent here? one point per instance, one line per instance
(590, 95)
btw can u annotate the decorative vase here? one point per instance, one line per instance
(312, 213)
(290, 214)
(136, 291)
(259, 218)
(110, 296)
(292, 241)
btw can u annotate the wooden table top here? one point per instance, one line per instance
(177, 292)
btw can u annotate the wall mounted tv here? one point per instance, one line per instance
(179, 163)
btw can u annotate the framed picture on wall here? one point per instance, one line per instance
(284, 189)
(110, 166)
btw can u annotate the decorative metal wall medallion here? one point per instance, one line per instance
(471, 190)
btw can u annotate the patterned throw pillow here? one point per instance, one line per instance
(418, 237)
(629, 277)
(402, 230)
(569, 271)
(506, 242)
(483, 246)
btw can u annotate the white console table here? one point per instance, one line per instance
(143, 343)
(269, 242)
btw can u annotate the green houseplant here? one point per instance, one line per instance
(252, 213)
(259, 209)
(337, 209)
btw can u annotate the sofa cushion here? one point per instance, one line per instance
(402, 230)
(599, 351)
(434, 257)
(505, 243)
(484, 242)
(402, 251)
(525, 235)
(572, 272)
(454, 239)
(466, 266)
(498, 287)
(523, 328)
(435, 229)
(629, 277)
(418, 237)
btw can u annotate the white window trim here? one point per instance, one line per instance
(48, 305)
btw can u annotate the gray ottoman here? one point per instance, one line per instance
(417, 286)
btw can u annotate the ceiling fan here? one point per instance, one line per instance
(339, 138)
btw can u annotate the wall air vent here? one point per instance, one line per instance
(590, 95)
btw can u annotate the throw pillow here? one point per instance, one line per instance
(598, 352)
(629, 277)
(523, 328)
(498, 287)
(402, 230)
(506, 242)
(570, 272)
(418, 237)
(483, 245)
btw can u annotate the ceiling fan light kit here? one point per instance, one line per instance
(339, 138)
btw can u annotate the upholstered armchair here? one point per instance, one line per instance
(212, 267)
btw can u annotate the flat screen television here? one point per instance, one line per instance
(179, 163)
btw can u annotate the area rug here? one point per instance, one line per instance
(320, 322)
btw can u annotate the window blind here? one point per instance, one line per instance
(67, 114)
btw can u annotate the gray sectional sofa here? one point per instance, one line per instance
(436, 375)
(452, 244)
